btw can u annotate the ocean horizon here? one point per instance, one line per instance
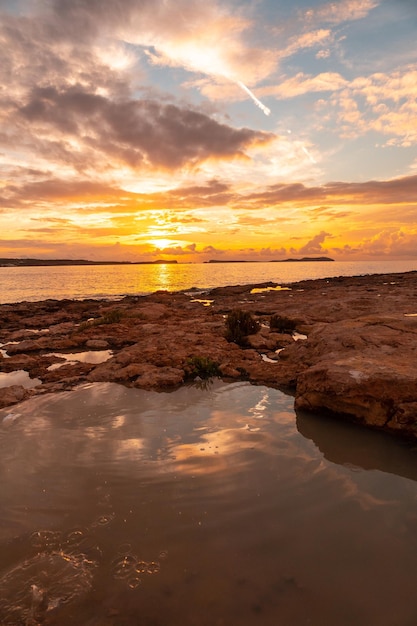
(35, 283)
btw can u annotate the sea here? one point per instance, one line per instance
(35, 283)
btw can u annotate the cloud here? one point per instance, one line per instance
(309, 39)
(72, 98)
(203, 37)
(301, 84)
(395, 191)
(190, 250)
(178, 250)
(386, 243)
(58, 191)
(338, 12)
(136, 132)
(381, 102)
(314, 246)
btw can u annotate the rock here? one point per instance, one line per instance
(27, 345)
(359, 359)
(366, 369)
(12, 395)
(19, 362)
(97, 344)
(160, 377)
(153, 311)
(258, 341)
(229, 371)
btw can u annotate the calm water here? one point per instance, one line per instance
(201, 508)
(39, 283)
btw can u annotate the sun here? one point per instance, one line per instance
(162, 243)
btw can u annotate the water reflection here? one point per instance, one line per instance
(203, 506)
(347, 444)
(90, 356)
(266, 289)
(18, 377)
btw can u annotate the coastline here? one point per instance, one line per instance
(358, 358)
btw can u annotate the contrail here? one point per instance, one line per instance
(312, 159)
(268, 112)
(254, 98)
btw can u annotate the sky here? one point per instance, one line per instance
(190, 130)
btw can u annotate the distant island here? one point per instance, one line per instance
(50, 262)
(303, 259)
(5, 262)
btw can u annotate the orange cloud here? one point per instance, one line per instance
(338, 12)
(386, 243)
(301, 84)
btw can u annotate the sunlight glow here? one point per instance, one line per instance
(162, 243)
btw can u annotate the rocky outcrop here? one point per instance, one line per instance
(365, 369)
(12, 395)
(359, 358)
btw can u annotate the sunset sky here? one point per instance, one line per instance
(191, 130)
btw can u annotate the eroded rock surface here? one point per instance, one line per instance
(359, 358)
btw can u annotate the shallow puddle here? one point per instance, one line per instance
(266, 289)
(206, 506)
(18, 377)
(91, 356)
(203, 302)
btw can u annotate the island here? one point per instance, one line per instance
(58, 262)
(302, 260)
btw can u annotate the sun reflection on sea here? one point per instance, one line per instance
(164, 276)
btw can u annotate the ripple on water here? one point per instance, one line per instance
(131, 569)
(34, 587)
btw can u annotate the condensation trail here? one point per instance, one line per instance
(254, 98)
(268, 112)
(312, 159)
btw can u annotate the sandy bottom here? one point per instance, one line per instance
(206, 506)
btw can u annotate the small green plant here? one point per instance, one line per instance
(202, 366)
(282, 324)
(240, 324)
(110, 317)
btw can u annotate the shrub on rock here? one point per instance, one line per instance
(203, 367)
(240, 324)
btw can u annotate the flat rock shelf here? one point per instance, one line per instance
(351, 350)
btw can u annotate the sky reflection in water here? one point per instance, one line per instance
(207, 506)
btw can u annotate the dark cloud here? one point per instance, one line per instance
(379, 192)
(137, 131)
(284, 192)
(56, 190)
(214, 193)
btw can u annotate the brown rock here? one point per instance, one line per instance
(157, 377)
(27, 345)
(12, 395)
(359, 360)
(366, 369)
(97, 344)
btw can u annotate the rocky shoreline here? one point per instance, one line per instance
(354, 352)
